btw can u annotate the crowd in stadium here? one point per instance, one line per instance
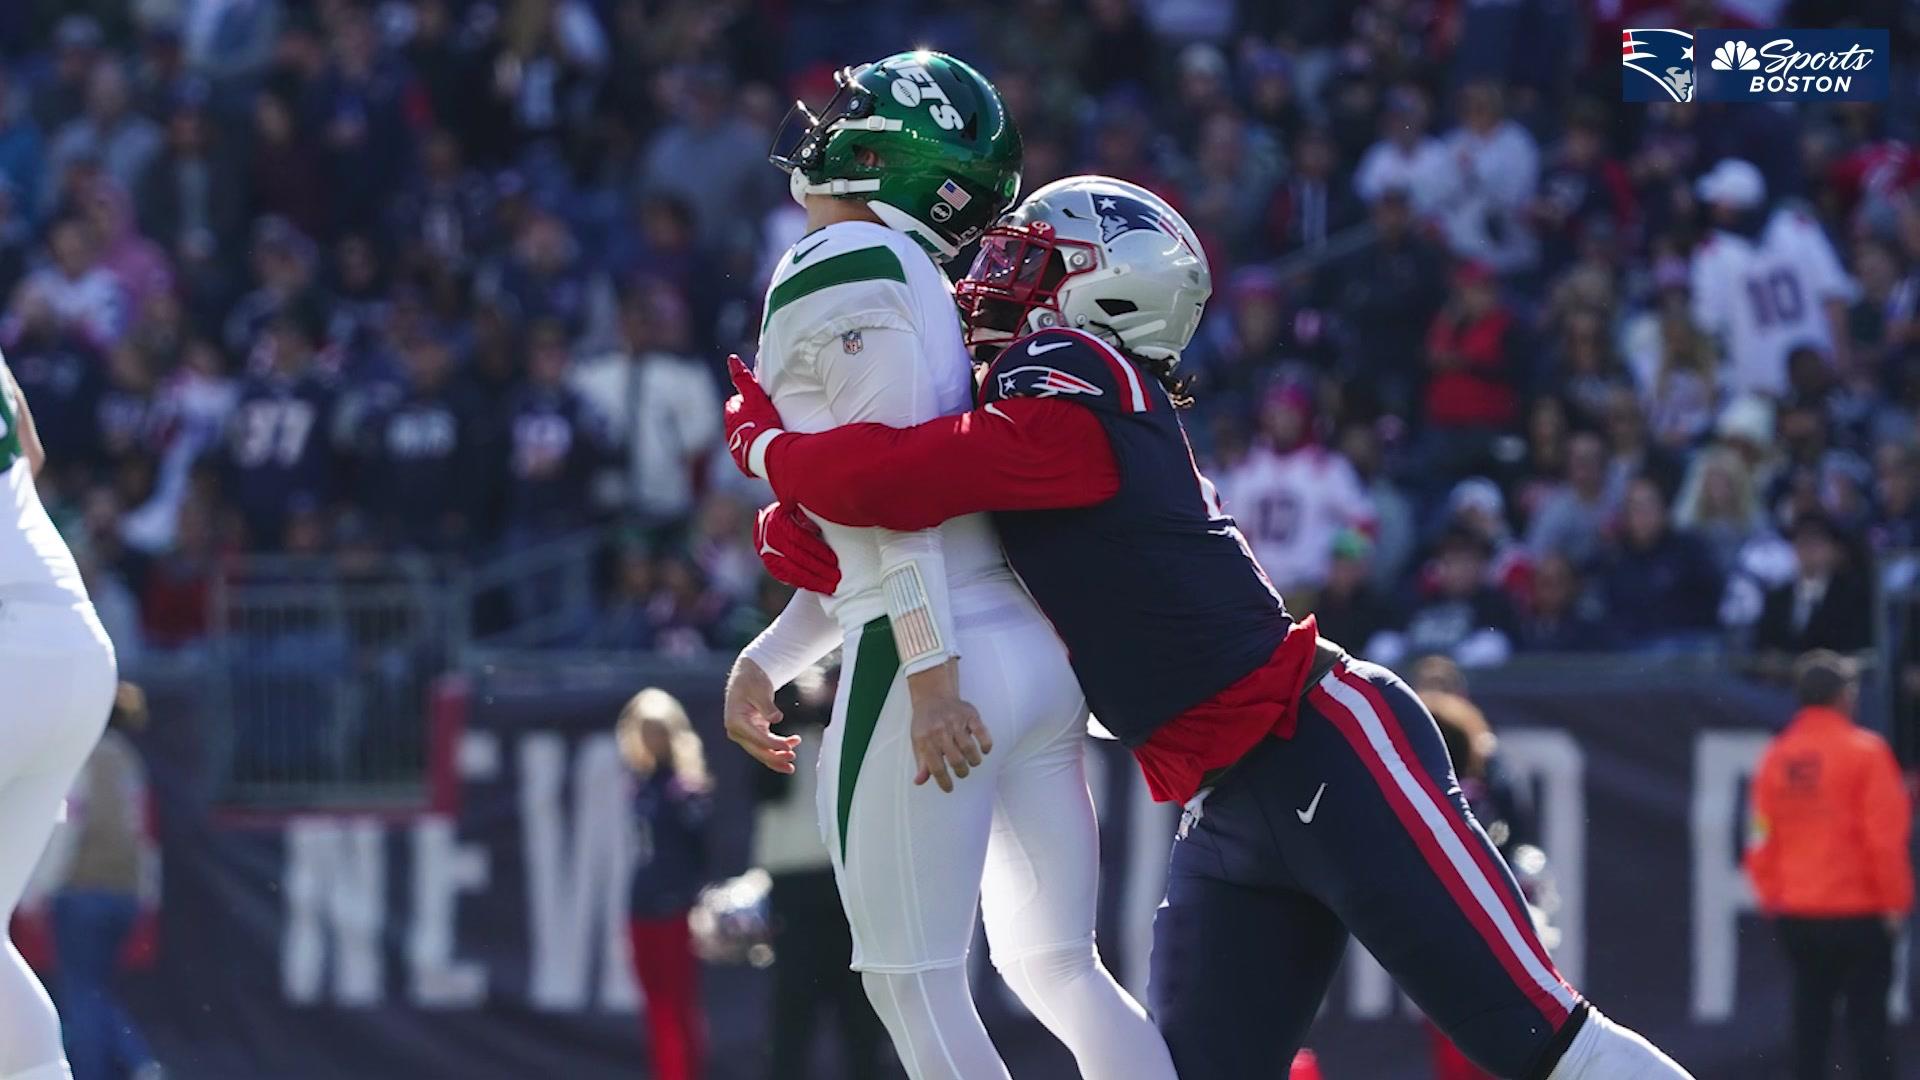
(457, 277)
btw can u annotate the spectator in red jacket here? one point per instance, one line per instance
(1472, 361)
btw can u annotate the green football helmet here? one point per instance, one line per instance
(924, 139)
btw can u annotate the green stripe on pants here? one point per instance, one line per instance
(874, 667)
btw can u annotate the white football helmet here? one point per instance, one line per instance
(1095, 254)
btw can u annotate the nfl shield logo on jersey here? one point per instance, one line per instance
(1656, 65)
(851, 342)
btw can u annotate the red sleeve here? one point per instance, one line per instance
(1019, 454)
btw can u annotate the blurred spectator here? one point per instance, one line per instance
(138, 265)
(176, 592)
(1673, 364)
(689, 614)
(709, 156)
(427, 455)
(1827, 605)
(76, 53)
(283, 269)
(1348, 608)
(1764, 283)
(121, 140)
(1574, 515)
(673, 805)
(1386, 295)
(624, 622)
(1586, 372)
(1120, 50)
(1291, 494)
(721, 545)
(189, 198)
(22, 154)
(1464, 618)
(1472, 359)
(106, 863)
(76, 289)
(280, 451)
(555, 442)
(661, 402)
(1560, 615)
(1718, 504)
(1660, 584)
(284, 175)
(1896, 505)
(1407, 159)
(1582, 185)
(1830, 864)
(545, 278)
(1634, 453)
(1313, 203)
(1476, 505)
(1231, 183)
(1395, 533)
(1497, 165)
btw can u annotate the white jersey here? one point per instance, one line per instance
(861, 326)
(1765, 298)
(32, 554)
(1291, 506)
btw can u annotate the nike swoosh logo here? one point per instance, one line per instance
(799, 255)
(994, 408)
(739, 437)
(1306, 816)
(1035, 348)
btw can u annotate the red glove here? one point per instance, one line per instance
(750, 416)
(793, 550)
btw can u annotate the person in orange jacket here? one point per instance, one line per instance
(1830, 863)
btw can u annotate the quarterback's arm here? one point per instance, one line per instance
(1017, 454)
(29, 435)
(798, 638)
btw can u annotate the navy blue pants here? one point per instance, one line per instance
(1355, 825)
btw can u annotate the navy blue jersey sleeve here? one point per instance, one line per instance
(1075, 366)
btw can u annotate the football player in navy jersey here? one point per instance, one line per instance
(1319, 798)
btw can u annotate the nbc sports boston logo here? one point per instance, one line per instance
(1754, 65)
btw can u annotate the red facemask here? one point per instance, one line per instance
(1020, 269)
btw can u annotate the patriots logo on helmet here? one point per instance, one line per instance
(1122, 214)
(1664, 61)
(1038, 380)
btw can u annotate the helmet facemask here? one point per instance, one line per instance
(1015, 284)
(799, 143)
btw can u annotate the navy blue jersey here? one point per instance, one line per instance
(280, 449)
(1153, 591)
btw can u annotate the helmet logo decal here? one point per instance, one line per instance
(914, 86)
(1122, 214)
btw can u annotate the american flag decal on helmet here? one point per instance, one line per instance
(954, 195)
(1038, 380)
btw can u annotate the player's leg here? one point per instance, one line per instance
(908, 860)
(1389, 844)
(1241, 960)
(1041, 888)
(58, 675)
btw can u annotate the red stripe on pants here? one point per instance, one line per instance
(669, 975)
(1496, 875)
(1443, 868)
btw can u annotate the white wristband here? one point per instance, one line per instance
(757, 453)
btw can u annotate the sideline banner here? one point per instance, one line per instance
(482, 936)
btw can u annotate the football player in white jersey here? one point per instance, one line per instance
(58, 674)
(1765, 284)
(912, 159)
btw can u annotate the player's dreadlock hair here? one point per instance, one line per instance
(1179, 390)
